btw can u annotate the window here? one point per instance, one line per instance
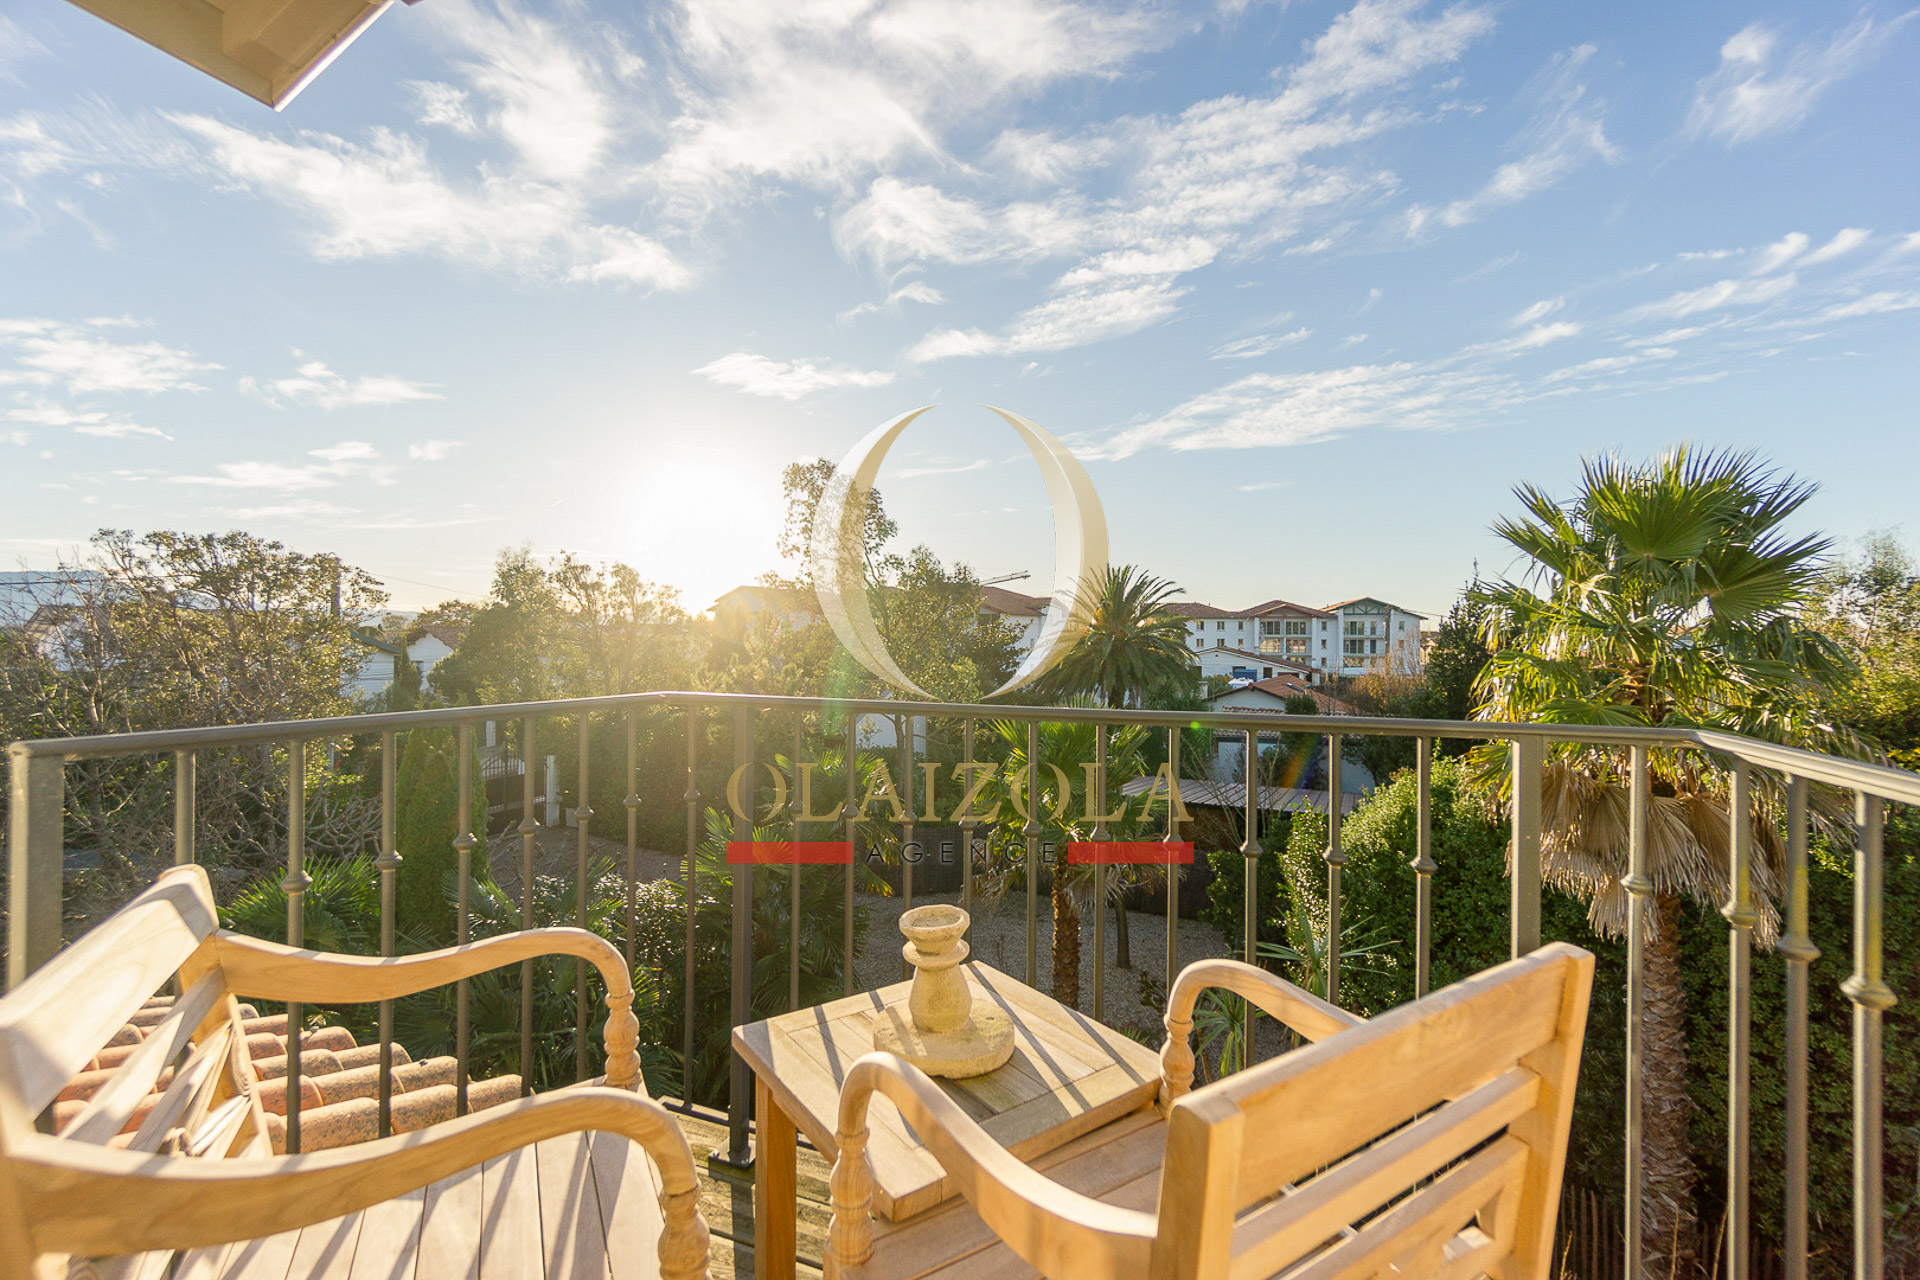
(1266, 673)
(1297, 645)
(1219, 644)
(1220, 626)
(1356, 628)
(1355, 648)
(1296, 626)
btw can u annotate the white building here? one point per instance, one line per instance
(1351, 638)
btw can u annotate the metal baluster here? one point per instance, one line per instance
(793, 911)
(1097, 794)
(1871, 998)
(1741, 917)
(528, 826)
(1639, 887)
(463, 845)
(581, 1067)
(967, 823)
(1250, 893)
(1173, 868)
(692, 798)
(1800, 952)
(1423, 866)
(849, 761)
(1336, 859)
(295, 886)
(1529, 762)
(904, 783)
(388, 865)
(184, 769)
(1032, 832)
(632, 803)
(739, 1079)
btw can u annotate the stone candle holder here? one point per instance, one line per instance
(942, 1029)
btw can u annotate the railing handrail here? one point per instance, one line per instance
(1885, 781)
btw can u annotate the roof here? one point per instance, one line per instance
(1194, 609)
(447, 635)
(1376, 600)
(1197, 792)
(1272, 658)
(1287, 606)
(373, 640)
(267, 49)
(1287, 686)
(1001, 600)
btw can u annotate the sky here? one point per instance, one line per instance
(1310, 287)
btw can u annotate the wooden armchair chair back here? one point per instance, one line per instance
(72, 1196)
(1428, 1142)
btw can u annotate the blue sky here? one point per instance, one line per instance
(1310, 286)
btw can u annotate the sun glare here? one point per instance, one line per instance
(702, 524)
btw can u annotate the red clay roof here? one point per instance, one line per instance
(1001, 600)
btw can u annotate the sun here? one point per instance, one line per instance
(701, 523)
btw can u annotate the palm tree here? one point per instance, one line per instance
(1063, 748)
(1133, 642)
(1660, 594)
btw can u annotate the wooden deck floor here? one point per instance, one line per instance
(726, 1200)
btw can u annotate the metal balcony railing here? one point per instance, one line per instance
(37, 804)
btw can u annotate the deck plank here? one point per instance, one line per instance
(325, 1249)
(450, 1228)
(390, 1238)
(264, 1259)
(572, 1235)
(510, 1217)
(628, 1190)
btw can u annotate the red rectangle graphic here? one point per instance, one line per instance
(789, 852)
(1109, 852)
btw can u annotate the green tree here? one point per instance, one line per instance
(426, 822)
(1063, 750)
(1133, 642)
(1453, 664)
(1659, 594)
(1870, 602)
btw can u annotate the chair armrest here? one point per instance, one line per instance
(90, 1200)
(272, 971)
(1057, 1231)
(1297, 1007)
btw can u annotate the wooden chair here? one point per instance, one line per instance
(522, 1186)
(1428, 1142)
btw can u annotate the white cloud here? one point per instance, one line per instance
(13, 437)
(1754, 92)
(350, 460)
(1565, 133)
(17, 46)
(759, 376)
(548, 98)
(1725, 293)
(315, 384)
(913, 291)
(444, 105)
(1263, 486)
(78, 357)
(1271, 410)
(827, 92)
(1072, 319)
(1538, 311)
(1844, 241)
(1871, 305)
(386, 199)
(1259, 344)
(85, 422)
(434, 450)
(1224, 178)
(1780, 253)
(1351, 340)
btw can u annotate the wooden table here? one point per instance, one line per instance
(1068, 1075)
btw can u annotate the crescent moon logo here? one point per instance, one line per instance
(839, 559)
